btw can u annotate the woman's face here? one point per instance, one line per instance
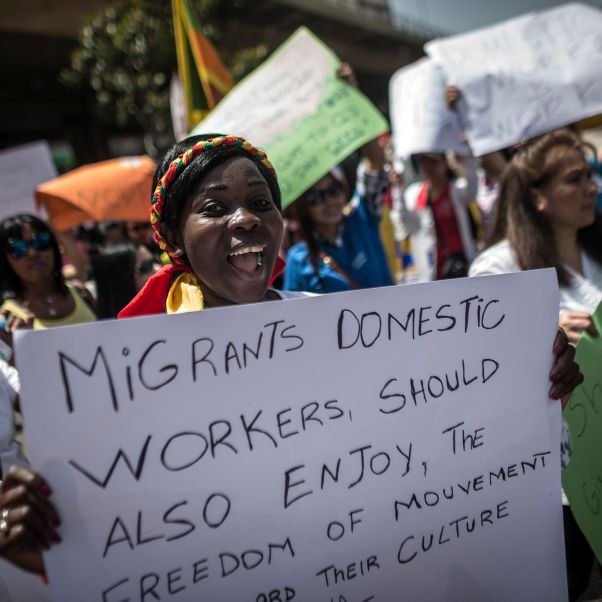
(325, 201)
(432, 167)
(37, 263)
(568, 198)
(230, 231)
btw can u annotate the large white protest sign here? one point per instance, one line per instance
(296, 108)
(385, 444)
(525, 76)
(421, 122)
(22, 168)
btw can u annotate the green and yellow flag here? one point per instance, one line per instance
(204, 78)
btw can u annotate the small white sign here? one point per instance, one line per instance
(22, 169)
(384, 444)
(421, 122)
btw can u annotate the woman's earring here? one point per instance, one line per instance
(537, 200)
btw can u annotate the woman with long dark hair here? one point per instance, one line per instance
(340, 247)
(31, 279)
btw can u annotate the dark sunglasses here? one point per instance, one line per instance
(317, 196)
(145, 267)
(18, 248)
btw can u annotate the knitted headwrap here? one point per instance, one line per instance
(178, 165)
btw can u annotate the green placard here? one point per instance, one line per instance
(344, 120)
(582, 478)
(265, 108)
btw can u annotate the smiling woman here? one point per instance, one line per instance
(216, 211)
(230, 232)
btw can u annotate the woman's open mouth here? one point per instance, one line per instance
(247, 259)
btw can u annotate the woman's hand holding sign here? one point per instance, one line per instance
(565, 374)
(28, 520)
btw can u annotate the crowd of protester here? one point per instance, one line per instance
(522, 208)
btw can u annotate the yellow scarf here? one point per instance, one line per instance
(184, 295)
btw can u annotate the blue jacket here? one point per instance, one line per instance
(361, 255)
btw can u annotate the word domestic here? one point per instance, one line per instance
(366, 329)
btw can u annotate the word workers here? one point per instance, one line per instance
(193, 447)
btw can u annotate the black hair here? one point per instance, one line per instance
(113, 270)
(189, 179)
(307, 228)
(12, 227)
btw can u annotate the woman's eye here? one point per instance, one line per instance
(263, 204)
(211, 208)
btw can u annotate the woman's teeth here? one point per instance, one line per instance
(255, 249)
(248, 259)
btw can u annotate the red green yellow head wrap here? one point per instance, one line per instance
(178, 165)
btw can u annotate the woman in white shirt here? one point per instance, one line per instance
(547, 218)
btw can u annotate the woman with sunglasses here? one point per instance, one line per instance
(341, 248)
(216, 211)
(34, 291)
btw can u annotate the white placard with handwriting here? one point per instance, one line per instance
(420, 120)
(525, 76)
(22, 168)
(384, 444)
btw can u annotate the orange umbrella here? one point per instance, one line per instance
(119, 189)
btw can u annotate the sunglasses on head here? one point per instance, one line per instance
(317, 196)
(18, 248)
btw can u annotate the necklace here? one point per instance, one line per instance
(50, 308)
